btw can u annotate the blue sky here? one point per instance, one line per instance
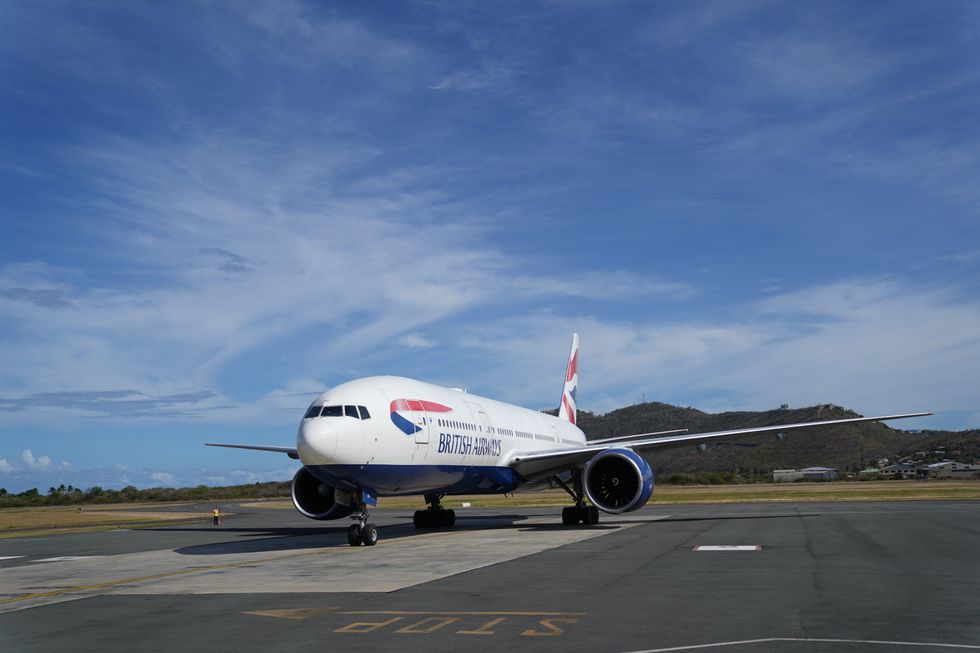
(213, 211)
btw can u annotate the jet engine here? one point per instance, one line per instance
(314, 498)
(618, 480)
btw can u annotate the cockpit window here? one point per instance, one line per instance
(364, 413)
(332, 411)
(314, 411)
(351, 411)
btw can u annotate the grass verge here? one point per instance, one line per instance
(21, 522)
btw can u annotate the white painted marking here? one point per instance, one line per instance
(729, 547)
(813, 640)
(64, 558)
(10, 557)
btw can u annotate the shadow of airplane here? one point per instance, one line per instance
(286, 539)
(734, 517)
(283, 539)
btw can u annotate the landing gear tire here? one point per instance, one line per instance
(434, 518)
(354, 534)
(369, 535)
(590, 515)
(570, 516)
(422, 519)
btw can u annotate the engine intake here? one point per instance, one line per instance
(314, 498)
(618, 480)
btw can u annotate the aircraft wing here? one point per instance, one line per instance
(289, 451)
(636, 436)
(537, 465)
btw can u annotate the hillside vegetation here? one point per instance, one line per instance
(848, 448)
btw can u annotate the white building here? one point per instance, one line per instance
(807, 473)
(953, 469)
(819, 473)
(786, 475)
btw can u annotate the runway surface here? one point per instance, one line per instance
(758, 577)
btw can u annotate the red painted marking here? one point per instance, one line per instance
(419, 405)
(572, 367)
(568, 409)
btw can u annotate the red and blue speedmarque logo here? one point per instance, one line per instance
(406, 425)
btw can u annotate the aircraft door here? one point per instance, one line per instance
(421, 420)
(556, 435)
(409, 416)
(484, 420)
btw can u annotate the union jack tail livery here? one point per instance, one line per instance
(567, 409)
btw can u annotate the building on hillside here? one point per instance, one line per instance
(786, 475)
(953, 469)
(819, 473)
(805, 474)
(902, 470)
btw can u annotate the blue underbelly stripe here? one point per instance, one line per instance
(393, 480)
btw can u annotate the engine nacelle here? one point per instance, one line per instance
(618, 480)
(314, 498)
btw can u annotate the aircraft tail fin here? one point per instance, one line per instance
(567, 408)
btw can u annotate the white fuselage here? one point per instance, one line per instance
(416, 437)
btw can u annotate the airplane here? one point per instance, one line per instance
(394, 436)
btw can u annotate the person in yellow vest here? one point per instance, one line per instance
(217, 516)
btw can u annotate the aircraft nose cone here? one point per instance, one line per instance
(316, 442)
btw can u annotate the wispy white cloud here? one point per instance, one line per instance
(165, 478)
(236, 261)
(5, 467)
(416, 341)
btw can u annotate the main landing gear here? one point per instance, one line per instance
(579, 513)
(362, 532)
(435, 515)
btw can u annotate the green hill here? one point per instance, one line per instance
(847, 448)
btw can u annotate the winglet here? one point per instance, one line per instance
(567, 408)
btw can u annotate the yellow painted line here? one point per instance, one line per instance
(301, 614)
(464, 613)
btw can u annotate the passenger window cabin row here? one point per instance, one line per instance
(453, 424)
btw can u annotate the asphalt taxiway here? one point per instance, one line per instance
(806, 577)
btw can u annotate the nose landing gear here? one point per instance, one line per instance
(362, 532)
(435, 515)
